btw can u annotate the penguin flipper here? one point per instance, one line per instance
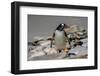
(67, 38)
(52, 39)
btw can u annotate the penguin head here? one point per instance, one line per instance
(61, 27)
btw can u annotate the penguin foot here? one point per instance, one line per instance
(66, 50)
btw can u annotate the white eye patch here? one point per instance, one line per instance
(62, 24)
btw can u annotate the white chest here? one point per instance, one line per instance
(59, 34)
(60, 39)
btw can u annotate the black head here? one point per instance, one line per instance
(61, 27)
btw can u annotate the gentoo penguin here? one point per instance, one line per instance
(60, 37)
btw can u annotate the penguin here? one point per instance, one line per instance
(60, 37)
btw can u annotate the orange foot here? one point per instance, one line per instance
(66, 50)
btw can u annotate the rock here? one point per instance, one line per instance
(44, 43)
(37, 38)
(62, 55)
(37, 48)
(43, 50)
(72, 29)
(50, 51)
(36, 54)
(79, 52)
